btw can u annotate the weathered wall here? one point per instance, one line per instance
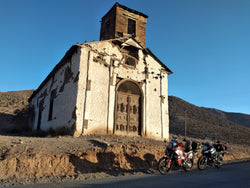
(94, 100)
(156, 108)
(61, 85)
(84, 87)
(102, 71)
(96, 96)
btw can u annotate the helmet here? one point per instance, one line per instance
(174, 139)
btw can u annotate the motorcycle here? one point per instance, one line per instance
(212, 155)
(175, 157)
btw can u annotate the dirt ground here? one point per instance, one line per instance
(29, 160)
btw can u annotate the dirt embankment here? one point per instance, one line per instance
(35, 160)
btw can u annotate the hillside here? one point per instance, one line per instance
(202, 123)
(36, 159)
(12, 102)
(14, 111)
(238, 118)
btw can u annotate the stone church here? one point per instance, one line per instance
(113, 86)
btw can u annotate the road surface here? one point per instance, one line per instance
(231, 175)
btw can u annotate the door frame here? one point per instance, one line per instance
(140, 133)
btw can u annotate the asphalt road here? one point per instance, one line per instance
(231, 175)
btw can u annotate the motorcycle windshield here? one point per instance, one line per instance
(205, 148)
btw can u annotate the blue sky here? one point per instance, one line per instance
(206, 43)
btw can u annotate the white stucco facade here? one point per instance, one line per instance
(89, 92)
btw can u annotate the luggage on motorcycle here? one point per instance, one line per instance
(187, 145)
(196, 145)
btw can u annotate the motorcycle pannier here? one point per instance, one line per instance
(195, 145)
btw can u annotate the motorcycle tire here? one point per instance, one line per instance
(188, 165)
(202, 163)
(219, 162)
(162, 166)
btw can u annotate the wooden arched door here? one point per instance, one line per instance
(128, 109)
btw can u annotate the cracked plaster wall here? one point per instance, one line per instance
(63, 85)
(106, 68)
(85, 88)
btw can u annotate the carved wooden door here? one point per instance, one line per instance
(121, 113)
(127, 114)
(133, 113)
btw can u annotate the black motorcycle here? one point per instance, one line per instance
(212, 155)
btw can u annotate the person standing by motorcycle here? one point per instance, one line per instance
(212, 155)
(219, 147)
(174, 145)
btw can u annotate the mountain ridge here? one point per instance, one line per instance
(235, 117)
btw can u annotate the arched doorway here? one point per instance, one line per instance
(128, 108)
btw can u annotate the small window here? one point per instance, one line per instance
(131, 51)
(39, 119)
(131, 27)
(51, 105)
(130, 61)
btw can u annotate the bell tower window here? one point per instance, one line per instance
(132, 27)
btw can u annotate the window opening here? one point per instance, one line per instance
(130, 61)
(131, 27)
(51, 109)
(39, 119)
(51, 104)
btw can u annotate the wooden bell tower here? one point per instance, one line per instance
(121, 21)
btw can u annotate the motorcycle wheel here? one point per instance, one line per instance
(162, 166)
(202, 163)
(188, 165)
(219, 162)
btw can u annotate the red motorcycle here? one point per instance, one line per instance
(175, 157)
